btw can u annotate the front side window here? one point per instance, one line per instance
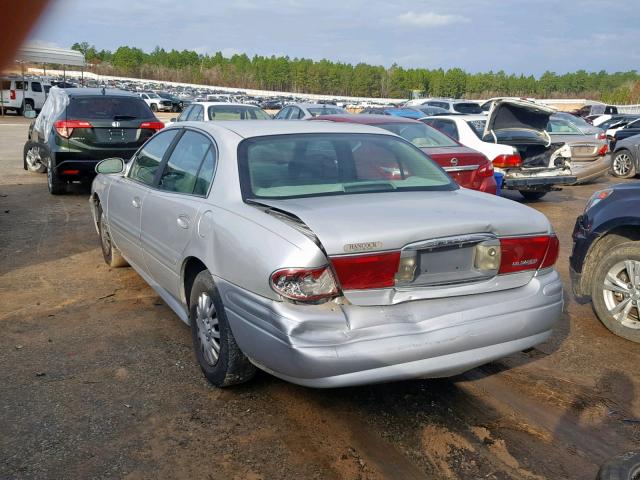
(236, 112)
(282, 114)
(181, 173)
(146, 162)
(419, 134)
(303, 165)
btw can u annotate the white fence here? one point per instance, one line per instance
(628, 109)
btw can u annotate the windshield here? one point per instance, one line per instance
(477, 126)
(420, 134)
(469, 108)
(326, 111)
(308, 165)
(153, 95)
(105, 107)
(236, 112)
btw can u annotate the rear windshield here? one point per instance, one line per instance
(236, 112)
(468, 108)
(106, 107)
(420, 134)
(308, 165)
(326, 111)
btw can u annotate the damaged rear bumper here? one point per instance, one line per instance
(314, 345)
(523, 181)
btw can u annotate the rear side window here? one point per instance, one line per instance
(447, 127)
(19, 85)
(197, 114)
(146, 162)
(468, 108)
(106, 107)
(236, 112)
(185, 114)
(36, 87)
(182, 170)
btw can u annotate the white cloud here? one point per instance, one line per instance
(430, 19)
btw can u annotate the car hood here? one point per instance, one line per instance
(389, 221)
(517, 114)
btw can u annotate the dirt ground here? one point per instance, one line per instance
(98, 379)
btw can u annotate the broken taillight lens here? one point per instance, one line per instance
(304, 284)
(603, 150)
(528, 253)
(12, 94)
(485, 170)
(507, 161)
(66, 127)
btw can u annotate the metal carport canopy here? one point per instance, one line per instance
(59, 56)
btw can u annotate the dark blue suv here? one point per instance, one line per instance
(605, 262)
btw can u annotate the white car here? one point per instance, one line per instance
(210, 111)
(513, 136)
(18, 93)
(156, 102)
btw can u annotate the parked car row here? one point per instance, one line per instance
(336, 251)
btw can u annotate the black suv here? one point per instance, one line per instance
(79, 127)
(605, 262)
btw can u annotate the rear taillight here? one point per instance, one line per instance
(12, 94)
(601, 136)
(152, 125)
(376, 270)
(304, 284)
(507, 161)
(485, 170)
(603, 150)
(66, 127)
(528, 253)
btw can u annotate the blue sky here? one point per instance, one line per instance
(518, 36)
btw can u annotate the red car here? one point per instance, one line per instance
(469, 168)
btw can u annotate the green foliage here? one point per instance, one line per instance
(302, 75)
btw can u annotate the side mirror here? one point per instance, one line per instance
(110, 165)
(30, 114)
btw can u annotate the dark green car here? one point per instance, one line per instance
(78, 127)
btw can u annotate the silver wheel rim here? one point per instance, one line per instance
(621, 292)
(34, 160)
(105, 237)
(208, 329)
(622, 164)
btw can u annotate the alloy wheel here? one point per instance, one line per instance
(622, 164)
(621, 291)
(208, 329)
(34, 160)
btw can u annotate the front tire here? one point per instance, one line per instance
(615, 290)
(154, 107)
(623, 165)
(220, 359)
(530, 196)
(110, 252)
(621, 467)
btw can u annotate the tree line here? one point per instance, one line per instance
(301, 75)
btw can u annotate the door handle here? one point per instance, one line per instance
(183, 221)
(136, 202)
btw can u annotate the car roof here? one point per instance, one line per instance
(458, 117)
(364, 119)
(261, 128)
(79, 92)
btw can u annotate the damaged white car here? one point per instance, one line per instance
(514, 137)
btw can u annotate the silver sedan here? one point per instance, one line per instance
(326, 254)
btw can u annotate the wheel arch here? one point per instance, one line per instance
(191, 267)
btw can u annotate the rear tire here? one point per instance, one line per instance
(616, 263)
(623, 164)
(621, 467)
(530, 196)
(154, 107)
(110, 253)
(220, 359)
(56, 186)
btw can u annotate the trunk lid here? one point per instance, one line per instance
(461, 163)
(517, 114)
(390, 221)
